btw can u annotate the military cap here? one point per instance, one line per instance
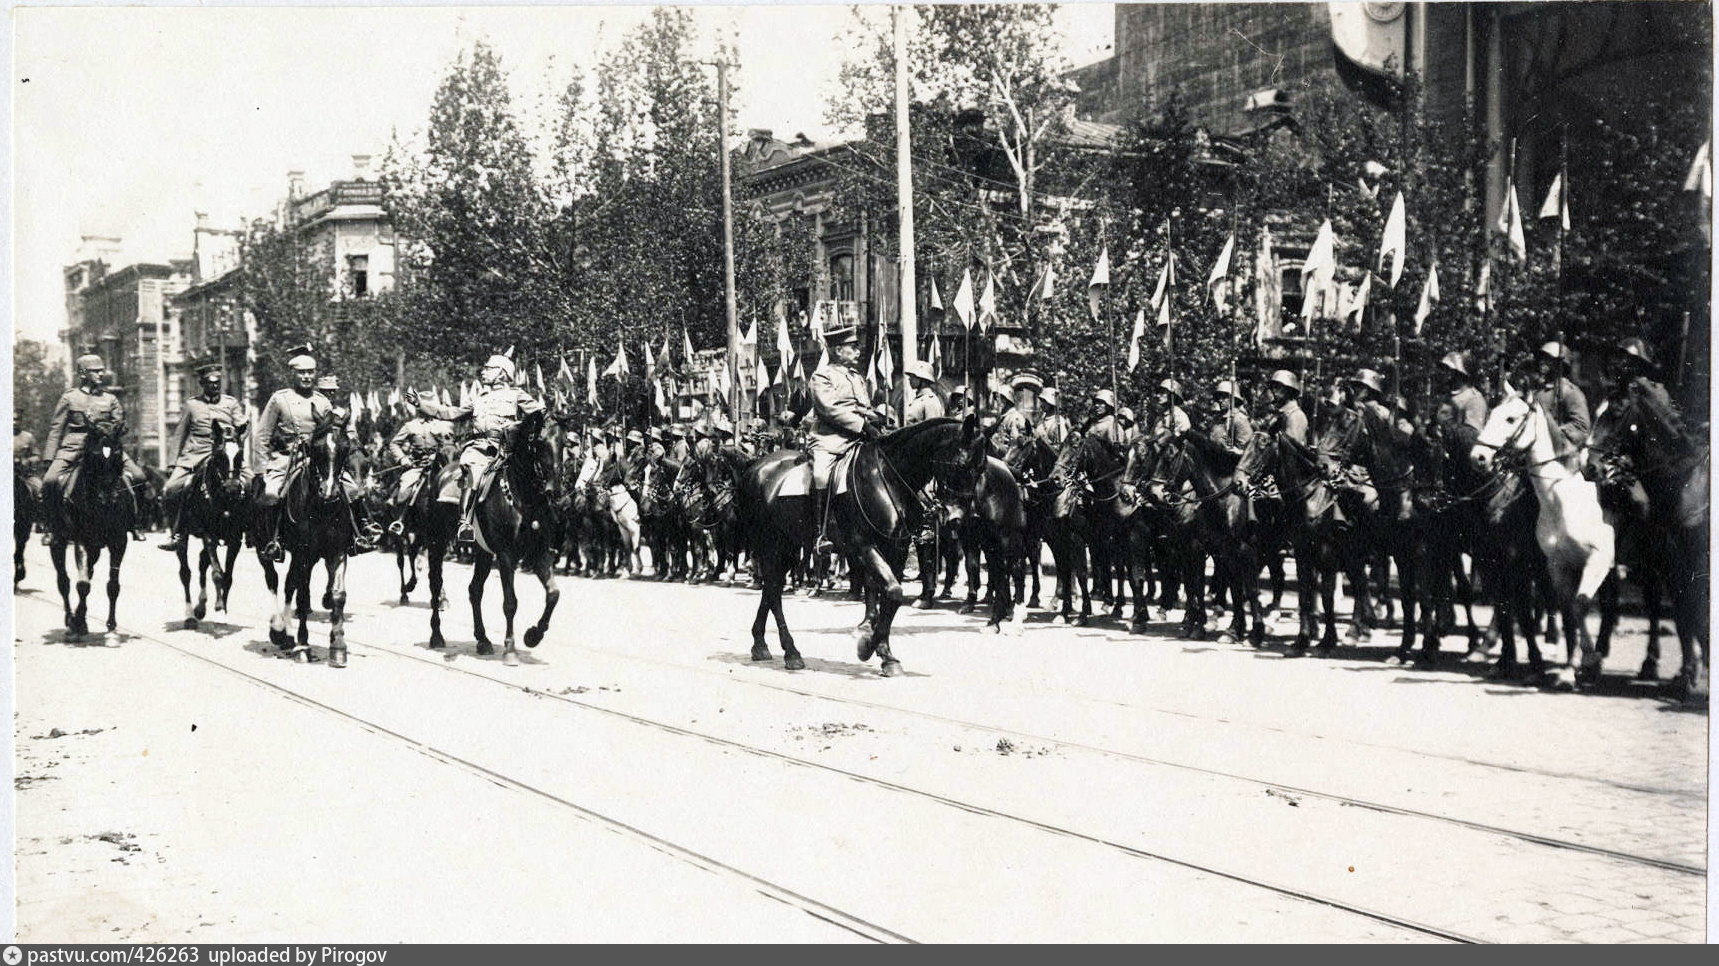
(841, 336)
(301, 356)
(209, 369)
(959, 390)
(90, 360)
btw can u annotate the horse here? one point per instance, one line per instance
(1394, 457)
(217, 512)
(97, 512)
(430, 526)
(1321, 545)
(1673, 473)
(315, 525)
(1222, 519)
(1162, 529)
(516, 525)
(1570, 528)
(988, 514)
(1449, 498)
(874, 509)
(25, 509)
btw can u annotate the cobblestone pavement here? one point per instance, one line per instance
(1063, 783)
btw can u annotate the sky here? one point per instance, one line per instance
(127, 121)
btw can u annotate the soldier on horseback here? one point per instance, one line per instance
(925, 403)
(1564, 404)
(194, 441)
(288, 418)
(494, 411)
(1053, 428)
(1172, 420)
(414, 446)
(1102, 423)
(1016, 426)
(842, 416)
(1467, 401)
(79, 409)
(1231, 429)
(26, 456)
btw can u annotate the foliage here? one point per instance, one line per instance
(36, 386)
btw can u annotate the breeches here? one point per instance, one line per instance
(823, 461)
(407, 488)
(275, 478)
(55, 477)
(177, 483)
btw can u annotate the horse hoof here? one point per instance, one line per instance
(1358, 634)
(993, 629)
(1033, 603)
(921, 603)
(190, 623)
(533, 636)
(890, 669)
(863, 644)
(793, 662)
(1138, 626)
(966, 607)
(337, 657)
(1080, 620)
(1226, 638)
(301, 655)
(403, 599)
(1649, 671)
(327, 602)
(510, 658)
(198, 611)
(112, 626)
(760, 652)
(485, 648)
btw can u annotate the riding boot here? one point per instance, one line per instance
(820, 506)
(271, 531)
(467, 532)
(176, 539)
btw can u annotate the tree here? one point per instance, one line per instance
(37, 384)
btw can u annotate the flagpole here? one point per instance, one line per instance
(1170, 293)
(1558, 253)
(728, 240)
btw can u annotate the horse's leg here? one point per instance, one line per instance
(205, 558)
(86, 558)
(481, 562)
(770, 567)
(544, 568)
(57, 551)
(1307, 595)
(1408, 573)
(970, 550)
(1331, 564)
(224, 579)
(115, 557)
(301, 595)
(185, 582)
(1607, 599)
(505, 568)
(1650, 599)
(335, 563)
(400, 550)
(434, 554)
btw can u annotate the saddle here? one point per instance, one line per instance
(796, 480)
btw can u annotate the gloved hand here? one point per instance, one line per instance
(872, 430)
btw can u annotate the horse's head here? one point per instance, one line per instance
(326, 451)
(225, 464)
(1509, 428)
(535, 455)
(104, 449)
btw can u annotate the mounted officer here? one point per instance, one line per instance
(1102, 423)
(290, 415)
(1054, 428)
(1565, 406)
(841, 415)
(494, 412)
(194, 442)
(414, 446)
(1231, 428)
(1016, 426)
(79, 409)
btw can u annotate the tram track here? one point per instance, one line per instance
(811, 906)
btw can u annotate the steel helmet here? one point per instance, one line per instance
(1456, 362)
(1048, 397)
(1125, 414)
(1172, 387)
(1106, 397)
(1370, 379)
(1556, 351)
(1633, 346)
(1226, 388)
(1286, 379)
(91, 362)
(501, 362)
(920, 369)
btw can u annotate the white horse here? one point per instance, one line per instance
(1571, 529)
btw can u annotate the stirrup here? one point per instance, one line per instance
(465, 532)
(274, 551)
(174, 543)
(397, 528)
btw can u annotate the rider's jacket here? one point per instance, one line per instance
(1291, 421)
(1014, 428)
(493, 411)
(288, 417)
(1567, 408)
(1172, 424)
(1232, 431)
(419, 437)
(1107, 428)
(78, 410)
(1470, 406)
(924, 405)
(839, 408)
(1053, 429)
(196, 433)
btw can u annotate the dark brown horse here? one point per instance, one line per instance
(430, 526)
(97, 512)
(517, 527)
(1323, 547)
(315, 524)
(25, 508)
(217, 512)
(874, 508)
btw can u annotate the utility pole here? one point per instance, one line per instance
(728, 241)
(904, 201)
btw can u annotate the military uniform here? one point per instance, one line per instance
(839, 413)
(77, 411)
(1567, 409)
(194, 438)
(493, 413)
(1471, 409)
(924, 405)
(1172, 424)
(1233, 431)
(1291, 421)
(288, 418)
(1053, 430)
(1109, 429)
(415, 442)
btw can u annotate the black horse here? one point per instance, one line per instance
(517, 525)
(874, 509)
(429, 526)
(989, 518)
(25, 509)
(97, 512)
(215, 510)
(315, 525)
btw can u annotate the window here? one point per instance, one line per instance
(842, 278)
(358, 270)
